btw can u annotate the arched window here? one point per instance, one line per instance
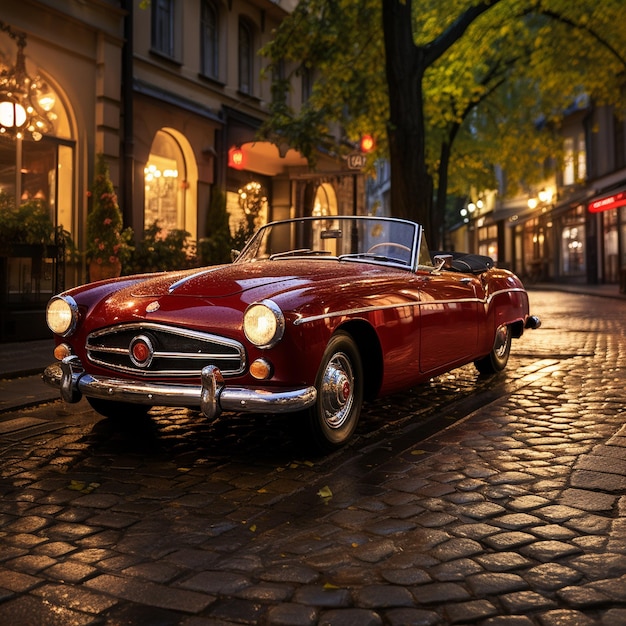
(37, 181)
(41, 171)
(245, 57)
(325, 204)
(209, 37)
(325, 200)
(165, 176)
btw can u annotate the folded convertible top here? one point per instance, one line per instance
(468, 263)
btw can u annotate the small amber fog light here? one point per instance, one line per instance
(61, 351)
(261, 369)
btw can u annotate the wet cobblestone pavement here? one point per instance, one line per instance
(464, 501)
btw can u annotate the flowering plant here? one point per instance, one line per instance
(108, 243)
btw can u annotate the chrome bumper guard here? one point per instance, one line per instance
(533, 322)
(212, 396)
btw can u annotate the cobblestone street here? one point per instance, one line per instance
(464, 501)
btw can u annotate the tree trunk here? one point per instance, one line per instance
(439, 208)
(411, 183)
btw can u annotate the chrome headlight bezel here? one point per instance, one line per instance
(263, 324)
(62, 315)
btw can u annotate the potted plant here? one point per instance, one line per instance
(157, 252)
(108, 245)
(29, 224)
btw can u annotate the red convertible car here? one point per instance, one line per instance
(313, 317)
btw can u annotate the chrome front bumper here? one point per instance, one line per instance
(212, 396)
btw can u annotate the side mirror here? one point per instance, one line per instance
(443, 261)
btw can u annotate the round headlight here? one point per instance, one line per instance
(62, 315)
(264, 324)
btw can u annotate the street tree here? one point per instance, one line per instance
(487, 76)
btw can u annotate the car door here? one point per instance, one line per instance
(449, 319)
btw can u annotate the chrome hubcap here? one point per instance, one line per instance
(502, 336)
(337, 391)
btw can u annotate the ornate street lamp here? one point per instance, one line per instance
(25, 103)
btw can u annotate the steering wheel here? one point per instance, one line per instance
(389, 244)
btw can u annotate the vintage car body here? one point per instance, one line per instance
(313, 317)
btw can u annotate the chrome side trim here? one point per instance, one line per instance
(370, 309)
(357, 311)
(212, 395)
(491, 296)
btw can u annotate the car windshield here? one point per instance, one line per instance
(361, 239)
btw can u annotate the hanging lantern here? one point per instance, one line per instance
(236, 158)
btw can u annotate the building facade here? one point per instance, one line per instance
(570, 228)
(171, 93)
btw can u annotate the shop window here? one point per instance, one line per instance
(611, 246)
(245, 57)
(488, 241)
(325, 203)
(248, 208)
(39, 172)
(623, 237)
(209, 37)
(573, 235)
(573, 250)
(165, 177)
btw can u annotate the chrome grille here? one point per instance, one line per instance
(175, 351)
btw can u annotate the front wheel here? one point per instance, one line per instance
(497, 359)
(333, 418)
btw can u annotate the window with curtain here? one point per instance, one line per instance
(163, 27)
(209, 37)
(245, 57)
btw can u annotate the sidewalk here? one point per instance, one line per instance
(21, 364)
(603, 291)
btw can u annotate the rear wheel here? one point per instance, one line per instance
(333, 418)
(118, 411)
(497, 359)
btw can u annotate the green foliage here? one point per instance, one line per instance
(244, 231)
(215, 247)
(157, 252)
(341, 44)
(107, 241)
(493, 81)
(30, 223)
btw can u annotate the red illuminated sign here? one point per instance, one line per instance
(236, 158)
(608, 202)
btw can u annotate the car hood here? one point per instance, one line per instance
(229, 280)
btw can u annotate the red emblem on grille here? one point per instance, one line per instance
(141, 351)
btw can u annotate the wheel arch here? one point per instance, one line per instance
(370, 352)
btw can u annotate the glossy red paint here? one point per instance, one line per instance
(403, 321)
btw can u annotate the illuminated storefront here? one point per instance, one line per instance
(610, 213)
